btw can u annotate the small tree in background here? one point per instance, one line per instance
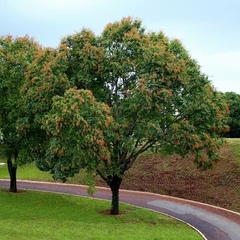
(15, 56)
(233, 100)
(129, 91)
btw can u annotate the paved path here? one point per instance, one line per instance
(212, 222)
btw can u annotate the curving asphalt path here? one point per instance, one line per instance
(213, 223)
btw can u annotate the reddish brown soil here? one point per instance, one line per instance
(108, 212)
(174, 176)
(19, 191)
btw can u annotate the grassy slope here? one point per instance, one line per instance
(174, 176)
(234, 144)
(38, 215)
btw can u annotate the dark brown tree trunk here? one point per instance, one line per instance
(13, 175)
(115, 185)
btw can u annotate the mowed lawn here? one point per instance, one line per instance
(30, 215)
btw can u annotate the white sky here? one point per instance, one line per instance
(209, 29)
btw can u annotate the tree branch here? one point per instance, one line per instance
(132, 158)
(102, 176)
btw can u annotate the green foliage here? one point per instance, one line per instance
(45, 78)
(84, 62)
(15, 56)
(81, 131)
(233, 100)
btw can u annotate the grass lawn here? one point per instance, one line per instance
(38, 215)
(26, 172)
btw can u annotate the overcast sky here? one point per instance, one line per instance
(209, 29)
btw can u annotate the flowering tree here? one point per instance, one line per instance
(129, 91)
(15, 56)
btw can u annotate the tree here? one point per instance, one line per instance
(45, 78)
(233, 100)
(15, 56)
(147, 93)
(52, 72)
(92, 130)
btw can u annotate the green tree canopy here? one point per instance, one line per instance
(15, 56)
(233, 100)
(129, 91)
(92, 130)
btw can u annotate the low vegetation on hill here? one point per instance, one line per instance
(172, 175)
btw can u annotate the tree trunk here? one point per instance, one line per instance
(13, 175)
(115, 185)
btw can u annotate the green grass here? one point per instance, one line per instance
(27, 172)
(38, 215)
(234, 144)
